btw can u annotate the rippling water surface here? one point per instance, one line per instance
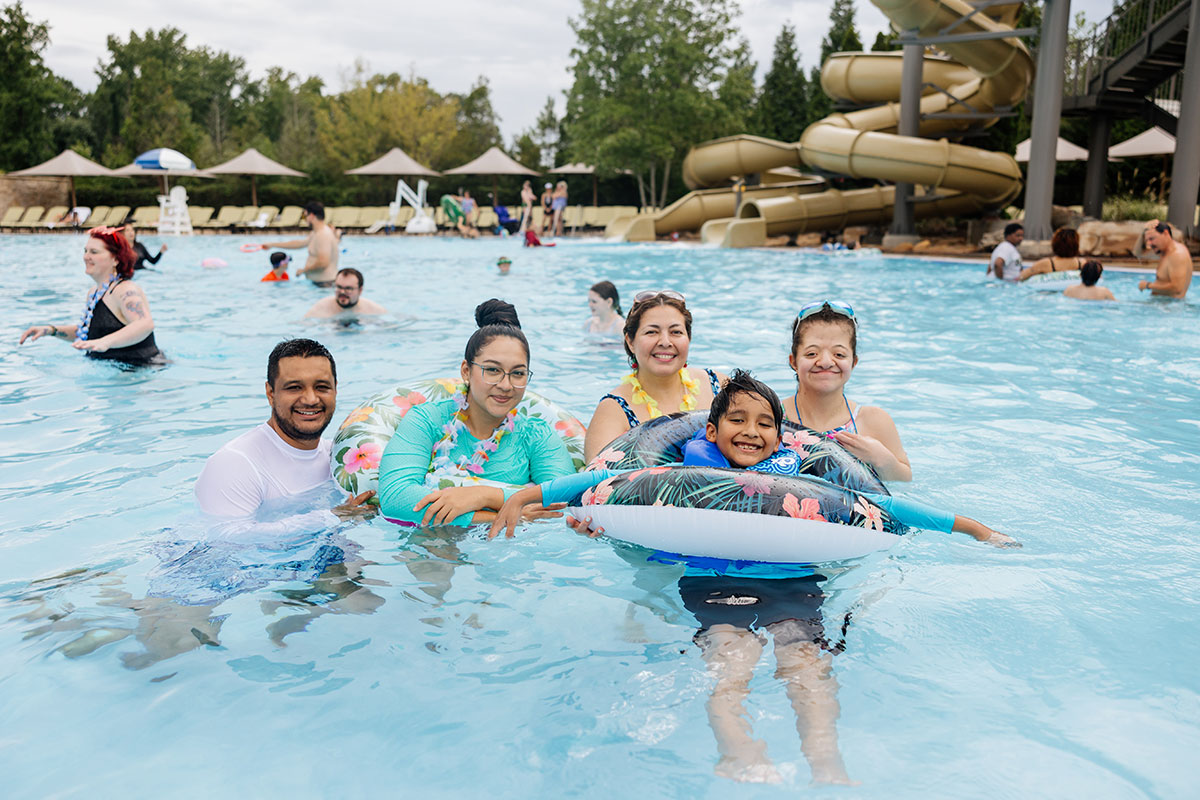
(141, 657)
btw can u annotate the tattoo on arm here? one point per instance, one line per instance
(134, 307)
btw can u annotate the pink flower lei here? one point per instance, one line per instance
(473, 465)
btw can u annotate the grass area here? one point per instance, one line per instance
(1120, 208)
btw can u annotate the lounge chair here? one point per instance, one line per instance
(538, 219)
(116, 217)
(572, 217)
(199, 215)
(289, 217)
(31, 218)
(227, 217)
(487, 219)
(12, 216)
(98, 213)
(264, 217)
(145, 216)
(54, 215)
(343, 216)
(370, 215)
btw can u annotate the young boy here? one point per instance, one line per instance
(1087, 289)
(743, 432)
(279, 267)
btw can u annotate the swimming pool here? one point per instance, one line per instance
(139, 658)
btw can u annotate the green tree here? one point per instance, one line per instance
(476, 125)
(843, 35)
(884, 41)
(36, 106)
(781, 111)
(652, 78)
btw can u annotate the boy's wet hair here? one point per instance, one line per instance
(1089, 273)
(742, 382)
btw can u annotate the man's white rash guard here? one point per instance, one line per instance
(259, 466)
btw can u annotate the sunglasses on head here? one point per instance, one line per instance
(651, 294)
(836, 306)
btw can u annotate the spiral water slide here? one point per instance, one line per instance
(969, 78)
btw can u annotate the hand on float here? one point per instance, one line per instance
(538, 511)
(444, 506)
(864, 448)
(97, 346)
(516, 508)
(584, 527)
(357, 506)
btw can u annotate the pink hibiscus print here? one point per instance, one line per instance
(796, 441)
(808, 508)
(365, 457)
(753, 483)
(641, 473)
(601, 495)
(606, 457)
(570, 427)
(408, 401)
(872, 516)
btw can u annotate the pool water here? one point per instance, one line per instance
(141, 656)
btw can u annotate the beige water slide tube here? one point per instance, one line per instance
(951, 179)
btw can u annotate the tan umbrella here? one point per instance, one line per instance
(253, 163)
(579, 169)
(494, 162)
(1063, 151)
(1154, 142)
(68, 164)
(394, 162)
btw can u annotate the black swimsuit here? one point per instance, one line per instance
(104, 322)
(143, 256)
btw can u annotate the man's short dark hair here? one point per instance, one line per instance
(1163, 227)
(1012, 228)
(1089, 273)
(297, 348)
(354, 272)
(315, 208)
(742, 382)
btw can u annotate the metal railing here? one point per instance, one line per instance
(1110, 38)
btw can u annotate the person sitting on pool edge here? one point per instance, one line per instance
(284, 456)
(279, 267)
(744, 430)
(1087, 289)
(347, 298)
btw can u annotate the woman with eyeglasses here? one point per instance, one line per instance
(657, 336)
(824, 354)
(116, 324)
(475, 434)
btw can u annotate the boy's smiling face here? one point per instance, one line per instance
(747, 434)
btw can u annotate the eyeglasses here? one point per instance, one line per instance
(492, 375)
(651, 294)
(836, 306)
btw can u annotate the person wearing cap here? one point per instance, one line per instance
(279, 267)
(504, 264)
(547, 201)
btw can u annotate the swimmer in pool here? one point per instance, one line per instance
(347, 298)
(1087, 289)
(1173, 277)
(504, 264)
(606, 321)
(323, 247)
(824, 354)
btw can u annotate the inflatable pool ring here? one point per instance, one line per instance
(214, 263)
(366, 431)
(253, 248)
(1053, 281)
(825, 514)
(453, 210)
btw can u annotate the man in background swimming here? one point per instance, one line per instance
(1006, 259)
(347, 298)
(322, 244)
(1173, 276)
(284, 456)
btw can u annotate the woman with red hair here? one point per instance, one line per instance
(116, 324)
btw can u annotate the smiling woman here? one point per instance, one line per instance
(475, 434)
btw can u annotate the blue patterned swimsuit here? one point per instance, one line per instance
(634, 421)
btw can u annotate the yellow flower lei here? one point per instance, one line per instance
(639, 397)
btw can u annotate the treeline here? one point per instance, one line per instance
(651, 78)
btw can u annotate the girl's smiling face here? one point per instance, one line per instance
(825, 359)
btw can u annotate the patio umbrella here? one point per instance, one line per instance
(579, 169)
(1154, 142)
(394, 162)
(162, 163)
(494, 162)
(67, 164)
(1063, 151)
(253, 163)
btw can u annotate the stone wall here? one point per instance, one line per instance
(18, 191)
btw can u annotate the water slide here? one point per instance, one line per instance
(951, 179)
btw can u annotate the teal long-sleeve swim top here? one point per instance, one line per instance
(532, 453)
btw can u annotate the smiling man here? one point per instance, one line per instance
(347, 298)
(1173, 276)
(285, 455)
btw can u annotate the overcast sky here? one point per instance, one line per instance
(523, 48)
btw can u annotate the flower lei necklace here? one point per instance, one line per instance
(467, 466)
(639, 397)
(85, 321)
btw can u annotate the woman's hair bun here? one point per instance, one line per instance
(496, 312)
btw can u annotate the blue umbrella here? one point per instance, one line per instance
(164, 158)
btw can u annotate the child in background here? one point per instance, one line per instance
(279, 266)
(504, 265)
(1086, 289)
